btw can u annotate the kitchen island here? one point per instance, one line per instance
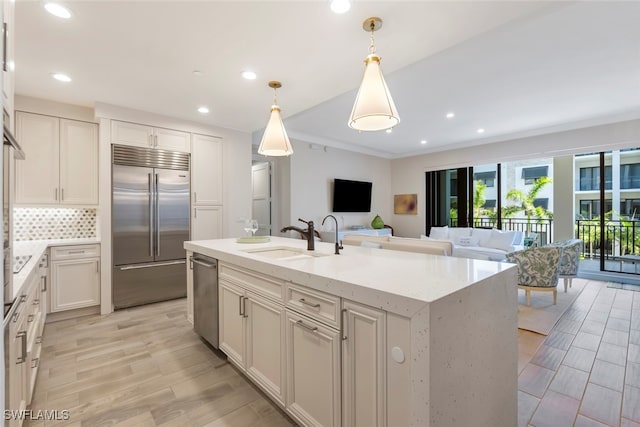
(370, 336)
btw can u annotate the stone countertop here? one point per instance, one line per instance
(36, 248)
(395, 281)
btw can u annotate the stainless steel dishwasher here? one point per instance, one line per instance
(205, 297)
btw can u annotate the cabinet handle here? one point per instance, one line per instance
(244, 307)
(155, 137)
(23, 335)
(240, 306)
(311, 328)
(56, 194)
(35, 362)
(97, 266)
(62, 194)
(310, 304)
(74, 252)
(36, 301)
(343, 324)
(30, 318)
(44, 283)
(195, 212)
(39, 340)
(16, 313)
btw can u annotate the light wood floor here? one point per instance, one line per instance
(143, 367)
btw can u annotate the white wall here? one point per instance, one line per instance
(53, 108)
(312, 171)
(407, 174)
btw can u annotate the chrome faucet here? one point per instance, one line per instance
(338, 245)
(308, 234)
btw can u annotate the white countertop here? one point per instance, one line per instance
(395, 281)
(36, 248)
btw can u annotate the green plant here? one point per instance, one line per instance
(524, 202)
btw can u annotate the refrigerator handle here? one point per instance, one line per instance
(157, 219)
(150, 215)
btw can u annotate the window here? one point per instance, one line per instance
(543, 203)
(630, 176)
(487, 178)
(489, 204)
(590, 178)
(531, 174)
(630, 208)
(590, 209)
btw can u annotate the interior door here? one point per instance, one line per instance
(132, 213)
(172, 213)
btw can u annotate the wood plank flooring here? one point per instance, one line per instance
(143, 367)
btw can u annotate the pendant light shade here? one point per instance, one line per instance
(373, 109)
(275, 141)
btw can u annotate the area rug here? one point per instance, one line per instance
(542, 315)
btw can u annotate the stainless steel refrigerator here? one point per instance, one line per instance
(150, 222)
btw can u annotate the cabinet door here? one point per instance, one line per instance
(265, 361)
(231, 328)
(37, 176)
(206, 170)
(173, 140)
(313, 371)
(126, 133)
(15, 339)
(363, 366)
(207, 223)
(75, 284)
(78, 162)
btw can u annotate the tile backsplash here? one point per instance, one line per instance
(53, 223)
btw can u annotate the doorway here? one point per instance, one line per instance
(261, 196)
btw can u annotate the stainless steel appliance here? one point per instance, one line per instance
(205, 298)
(150, 222)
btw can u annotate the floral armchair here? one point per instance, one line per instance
(537, 269)
(569, 260)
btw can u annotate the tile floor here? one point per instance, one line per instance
(145, 367)
(587, 371)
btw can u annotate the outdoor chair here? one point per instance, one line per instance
(569, 260)
(537, 269)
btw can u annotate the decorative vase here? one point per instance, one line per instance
(377, 222)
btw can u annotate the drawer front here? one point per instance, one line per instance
(75, 251)
(315, 304)
(261, 284)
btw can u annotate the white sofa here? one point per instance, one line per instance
(478, 243)
(435, 247)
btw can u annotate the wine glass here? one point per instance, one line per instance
(254, 226)
(247, 226)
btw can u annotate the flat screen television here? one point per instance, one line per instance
(351, 196)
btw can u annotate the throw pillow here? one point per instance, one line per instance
(439, 233)
(501, 240)
(483, 235)
(468, 241)
(456, 232)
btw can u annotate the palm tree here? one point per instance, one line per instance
(525, 203)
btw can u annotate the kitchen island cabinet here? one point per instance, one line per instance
(387, 338)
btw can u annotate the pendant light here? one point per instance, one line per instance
(373, 109)
(275, 141)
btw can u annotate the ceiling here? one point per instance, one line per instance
(511, 68)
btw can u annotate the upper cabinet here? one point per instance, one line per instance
(206, 170)
(138, 135)
(8, 52)
(61, 165)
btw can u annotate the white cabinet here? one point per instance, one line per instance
(251, 329)
(8, 64)
(206, 170)
(61, 165)
(313, 371)
(16, 371)
(75, 277)
(206, 223)
(206, 187)
(139, 135)
(363, 366)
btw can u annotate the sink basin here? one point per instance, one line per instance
(285, 253)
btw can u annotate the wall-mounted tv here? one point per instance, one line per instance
(351, 196)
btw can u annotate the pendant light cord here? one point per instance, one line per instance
(372, 47)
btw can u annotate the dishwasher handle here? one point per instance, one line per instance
(202, 263)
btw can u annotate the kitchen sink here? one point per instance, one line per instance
(285, 253)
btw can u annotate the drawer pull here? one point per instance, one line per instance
(35, 362)
(23, 335)
(39, 340)
(75, 252)
(36, 301)
(311, 328)
(344, 325)
(310, 304)
(30, 318)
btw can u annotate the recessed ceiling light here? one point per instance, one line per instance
(450, 115)
(61, 77)
(389, 130)
(249, 75)
(340, 6)
(56, 9)
(480, 130)
(203, 110)
(423, 142)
